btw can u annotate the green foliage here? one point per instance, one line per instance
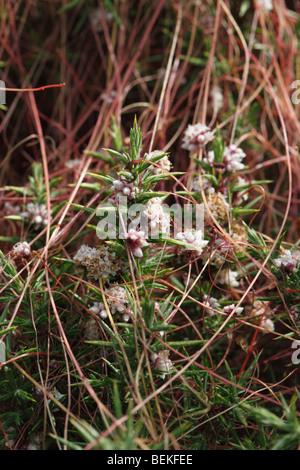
(285, 431)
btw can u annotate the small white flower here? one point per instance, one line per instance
(259, 308)
(262, 309)
(11, 443)
(36, 214)
(268, 325)
(136, 241)
(99, 262)
(265, 5)
(217, 98)
(122, 187)
(228, 309)
(288, 261)
(164, 163)
(239, 233)
(92, 330)
(95, 18)
(196, 137)
(10, 209)
(295, 312)
(217, 204)
(210, 158)
(22, 249)
(108, 98)
(37, 442)
(211, 303)
(162, 362)
(56, 394)
(117, 300)
(118, 303)
(228, 277)
(242, 182)
(158, 219)
(205, 183)
(192, 238)
(232, 158)
(73, 163)
(98, 308)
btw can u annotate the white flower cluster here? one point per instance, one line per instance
(56, 394)
(210, 158)
(92, 329)
(109, 97)
(295, 312)
(217, 204)
(232, 158)
(99, 309)
(22, 249)
(268, 325)
(37, 442)
(287, 260)
(95, 18)
(217, 98)
(211, 303)
(228, 309)
(239, 233)
(122, 187)
(36, 214)
(73, 163)
(260, 308)
(228, 277)
(117, 301)
(10, 209)
(242, 182)
(194, 238)
(164, 163)
(158, 219)
(136, 241)
(265, 5)
(196, 137)
(207, 185)
(162, 362)
(10, 432)
(99, 262)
